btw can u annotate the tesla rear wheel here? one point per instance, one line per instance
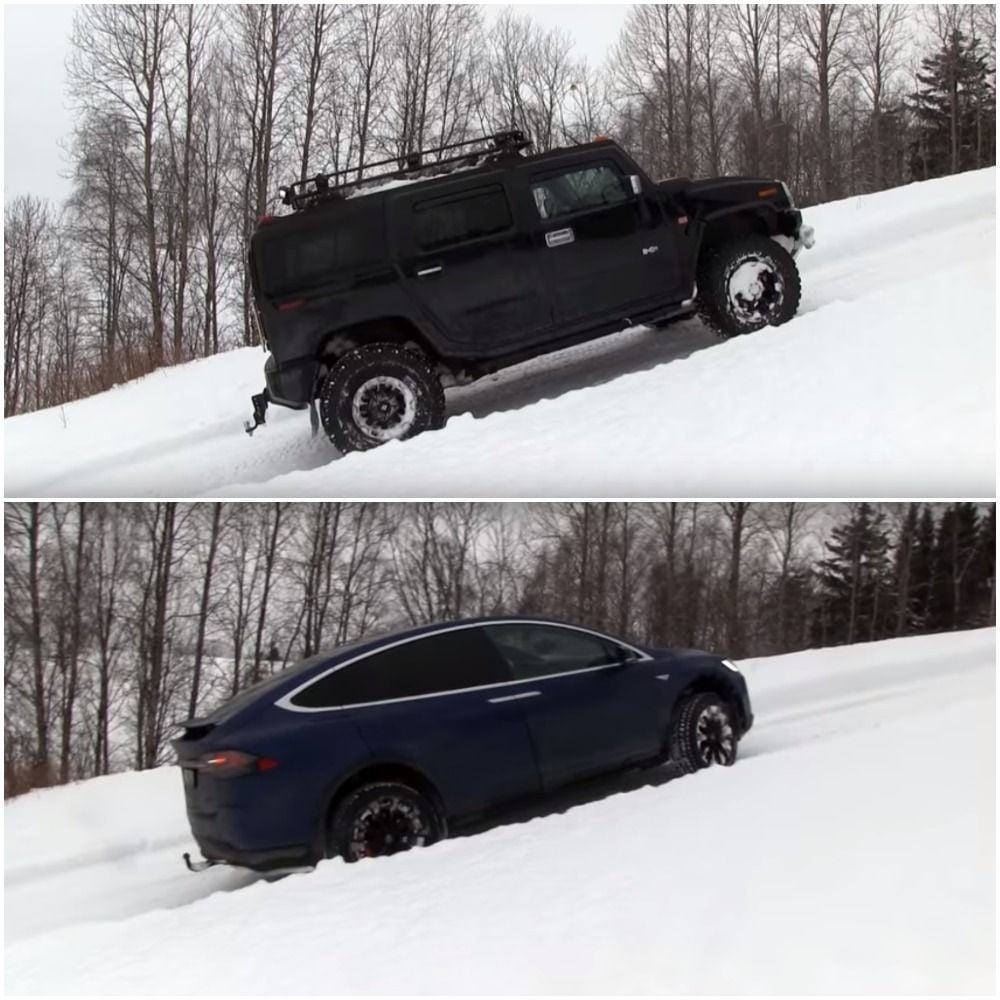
(704, 734)
(383, 818)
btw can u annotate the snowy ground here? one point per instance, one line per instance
(883, 386)
(851, 849)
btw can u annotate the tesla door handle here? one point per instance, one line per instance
(515, 697)
(559, 237)
(428, 271)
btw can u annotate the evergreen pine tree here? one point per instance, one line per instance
(903, 570)
(922, 574)
(856, 580)
(983, 611)
(957, 546)
(955, 93)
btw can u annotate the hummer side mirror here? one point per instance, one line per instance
(635, 182)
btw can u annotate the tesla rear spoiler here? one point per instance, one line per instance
(194, 729)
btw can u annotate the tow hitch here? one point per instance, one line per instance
(260, 402)
(200, 866)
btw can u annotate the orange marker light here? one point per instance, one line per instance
(767, 192)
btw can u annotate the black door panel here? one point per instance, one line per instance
(466, 262)
(426, 703)
(594, 710)
(602, 249)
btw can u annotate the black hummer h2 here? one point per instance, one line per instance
(374, 295)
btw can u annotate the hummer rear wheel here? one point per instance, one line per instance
(378, 393)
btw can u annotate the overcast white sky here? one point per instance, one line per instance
(37, 118)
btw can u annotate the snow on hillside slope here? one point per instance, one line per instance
(883, 385)
(851, 849)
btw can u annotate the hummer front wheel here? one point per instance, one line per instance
(746, 285)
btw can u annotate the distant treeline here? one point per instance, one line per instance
(121, 619)
(188, 118)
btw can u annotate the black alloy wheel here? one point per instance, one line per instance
(378, 393)
(381, 819)
(746, 285)
(705, 733)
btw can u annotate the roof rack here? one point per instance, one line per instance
(335, 185)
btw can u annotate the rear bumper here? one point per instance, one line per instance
(293, 856)
(290, 383)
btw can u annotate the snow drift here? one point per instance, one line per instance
(851, 849)
(883, 386)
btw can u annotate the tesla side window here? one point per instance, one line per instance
(539, 650)
(446, 661)
(578, 190)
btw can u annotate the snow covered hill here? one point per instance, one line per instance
(851, 849)
(883, 386)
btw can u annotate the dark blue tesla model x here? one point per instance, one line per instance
(378, 746)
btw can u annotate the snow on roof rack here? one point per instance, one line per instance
(335, 185)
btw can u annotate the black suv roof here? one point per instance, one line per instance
(489, 153)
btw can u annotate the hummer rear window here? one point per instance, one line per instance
(474, 214)
(298, 261)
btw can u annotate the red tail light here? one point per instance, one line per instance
(229, 763)
(293, 304)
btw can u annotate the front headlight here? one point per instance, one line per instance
(732, 666)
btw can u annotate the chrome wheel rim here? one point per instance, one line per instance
(715, 737)
(384, 408)
(387, 826)
(755, 290)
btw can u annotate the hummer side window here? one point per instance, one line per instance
(577, 190)
(472, 215)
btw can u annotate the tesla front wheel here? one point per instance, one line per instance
(704, 734)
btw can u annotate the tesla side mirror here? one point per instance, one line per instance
(635, 183)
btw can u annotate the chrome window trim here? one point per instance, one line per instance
(285, 702)
(514, 697)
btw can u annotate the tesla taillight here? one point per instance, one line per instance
(230, 763)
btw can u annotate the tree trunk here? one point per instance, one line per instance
(206, 594)
(268, 571)
(39, 692)
(75, 643)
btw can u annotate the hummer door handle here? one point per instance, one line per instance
(559, 237)
(427, 271)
